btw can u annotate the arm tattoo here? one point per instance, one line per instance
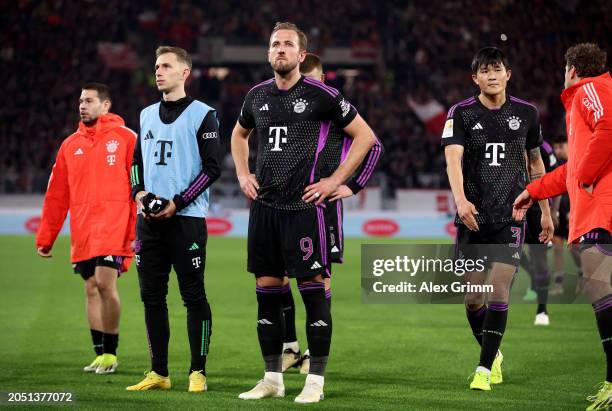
(535, 176)
(534, 154)
(535, 158)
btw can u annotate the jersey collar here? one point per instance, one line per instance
(276, 91)
(493, 110)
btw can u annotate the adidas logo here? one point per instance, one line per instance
(149, 136)
(517, 256)
(335, 249)
(478, 126)
(109, 258)
(315, 265)
(264, 321)
(264, 107)
(194, 247)
(319, 323)
(79, 152)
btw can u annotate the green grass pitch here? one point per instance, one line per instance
(383, 356)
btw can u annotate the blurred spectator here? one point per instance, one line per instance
(50, 47)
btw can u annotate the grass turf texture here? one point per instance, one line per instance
(383, 356)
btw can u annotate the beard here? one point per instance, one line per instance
(284, 67)
(89, 121)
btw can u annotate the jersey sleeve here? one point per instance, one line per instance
(56, 203)
(136, 170)
(534, 134)
(365, 171)
(209, 148)
(130, 139)
(246, 118)
(597, 154)
(454, 129)
(337, 108)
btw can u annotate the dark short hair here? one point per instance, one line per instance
(285, 25)
(102, 89)
(311, 62)
(488, 56)
(588, 58)
(180, 53)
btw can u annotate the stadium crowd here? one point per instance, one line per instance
(50, 48)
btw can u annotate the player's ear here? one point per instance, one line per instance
(475, 78)
(106, 105)
(508, 74)
(572, 72)
(186, 72)
(302, 56)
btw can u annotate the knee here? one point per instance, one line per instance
(153, 297)
(269, 282)
(193, 297)
(474, 300)
(594, 289)
(311, 280)
(108, 289)
(542, 278)
(91, 290)
(500, 294)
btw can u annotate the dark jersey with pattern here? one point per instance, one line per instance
(292, 127)
(336, 150)
(494, 161)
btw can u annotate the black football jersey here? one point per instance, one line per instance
(494, 162)
(292, 127)
(335, 152)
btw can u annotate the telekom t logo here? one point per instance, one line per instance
(496, 154)
(277, 139)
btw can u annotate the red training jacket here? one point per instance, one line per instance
(91, 178)
(588, 106)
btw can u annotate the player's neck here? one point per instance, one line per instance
(492, 101)
(285, 82)
(176, 94)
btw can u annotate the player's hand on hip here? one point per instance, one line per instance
(248, 185)
(342, 192)
(548, 228)
(467, 213)
(44, 252)
(319, 191)
(167, 212)
(521, 205)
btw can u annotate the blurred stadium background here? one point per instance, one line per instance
(401, 63)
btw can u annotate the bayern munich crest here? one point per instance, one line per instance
(300, 105)
(514, 123)
(112, 146)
